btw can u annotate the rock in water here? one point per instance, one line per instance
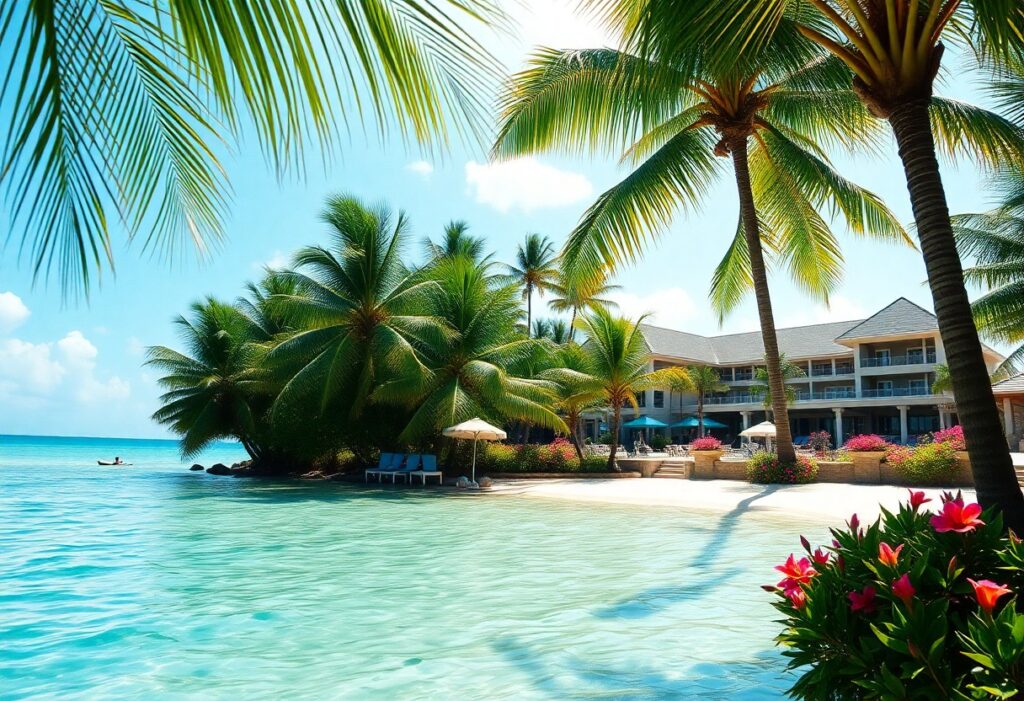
(196, 468)
(486, 482)
(219, 469)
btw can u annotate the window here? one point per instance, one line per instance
(918, 387)
(915, 356)
(821, 368)
(884, 388)
(659, 399)
(882, 357)
(641, 399)
(742, 374)
(844, 367)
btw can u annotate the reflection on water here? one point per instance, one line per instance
(158, 583)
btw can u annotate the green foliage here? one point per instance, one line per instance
(929, 463)
(914, 606)
(558, 456)
(658, 441)
(762, 388)
(765, 468)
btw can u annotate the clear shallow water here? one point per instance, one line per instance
(153, 582)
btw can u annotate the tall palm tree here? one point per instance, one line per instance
(768, 121)
(356, 304)
(554, 330)
(535, 269)
(577, 293)
(456, 242)
(267, 318)
(790, 371)
(576, 391)
(892, 52)
(132, 129)
(702, 380)
(466, 373)
(210, 389)
(994, 241)
(617, 358)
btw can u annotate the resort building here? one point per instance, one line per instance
(871, 375)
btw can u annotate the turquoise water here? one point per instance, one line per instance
(153, 582)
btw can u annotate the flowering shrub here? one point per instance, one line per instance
(557, 456)
(868, 442)
(706, 443)
(930, 463)
(914, 606)
(953, 437)
(765, 468)
(819, 442)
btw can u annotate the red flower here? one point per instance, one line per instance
(957, 518)
(863, 601)
(806, 543)
(988, 593)
(949, 496)
(797, 597)
(888, 556)
(903, 589)
(796, 572)
(820, 557)
(854, 523)
(916, 499)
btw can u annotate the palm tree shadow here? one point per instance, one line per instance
(656, 599)
(762, 677)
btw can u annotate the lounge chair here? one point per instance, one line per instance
(388, 462)
(412, 464)
(429, 469)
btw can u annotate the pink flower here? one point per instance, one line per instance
(888, 556)
(797, 597)
(904, 590)
(854, 523)
(988, 593)
(957, 517)
(949, 496)
(863, 601)
(916, 499)
(806, 543)
(820, 557)
(796, 572)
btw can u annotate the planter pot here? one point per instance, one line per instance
(835, 472)
(866, 466)
(704, 463)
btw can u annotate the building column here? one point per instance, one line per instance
(839, 426)
(1008, 418)
(903, 423)
(942, 419)
(745, 415)
(856, 371)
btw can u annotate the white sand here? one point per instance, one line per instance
(832, 503)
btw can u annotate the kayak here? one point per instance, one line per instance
(113, 464)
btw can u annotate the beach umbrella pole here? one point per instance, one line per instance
(474, 458)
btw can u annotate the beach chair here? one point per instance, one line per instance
(429, 469)
(387, 463)
(412, 464)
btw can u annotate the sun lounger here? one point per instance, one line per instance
(429, 470)
(387, 463)
(412, 464)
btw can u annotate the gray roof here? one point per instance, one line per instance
(797, 342)
(1011, 385)
(900, 317)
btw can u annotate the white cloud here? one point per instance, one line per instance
(420, 168)
(12, 311)
(278, 261)
(66, 368)
(526, 184)
(840, 309)
(671, 307)
(136, 348)
(558, 24)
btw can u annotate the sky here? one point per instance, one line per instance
(77, 368)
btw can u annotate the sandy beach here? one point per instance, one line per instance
(833, 503)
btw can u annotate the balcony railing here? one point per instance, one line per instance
(829, 394)
(845, 370)
(898, 360)
(896, 392)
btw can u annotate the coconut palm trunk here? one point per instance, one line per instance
(616, 420)
(759, 274)
(994, 476)
(700, 414)
(529, 309)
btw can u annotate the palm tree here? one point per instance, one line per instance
(576, 390)
(617, 358)
(131, 129)
(790, 371)
(356, 305)
(554, 330)
(265, 316)
(942, 382)
(534, 269)
(995, 242)
(702, 380)
(892, 52)
(577, 293)
(211, 388)
(466, 373)
(456, 242)
(769, 121)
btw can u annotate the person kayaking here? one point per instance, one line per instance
(118, 460)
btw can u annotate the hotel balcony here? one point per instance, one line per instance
(827, 395)
(899, 360)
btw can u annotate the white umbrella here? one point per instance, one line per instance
(765, 429)
(478, 430)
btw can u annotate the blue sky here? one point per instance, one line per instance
(76, 369)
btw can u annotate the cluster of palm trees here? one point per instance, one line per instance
(353, 348)
(773, 86)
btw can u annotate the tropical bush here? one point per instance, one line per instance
(929, 463)
(706, 443)
(819, 441)
(557, 456)
(765, 468)
(953, 436)
(659, 442)
(914, 606)
(866, 443)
